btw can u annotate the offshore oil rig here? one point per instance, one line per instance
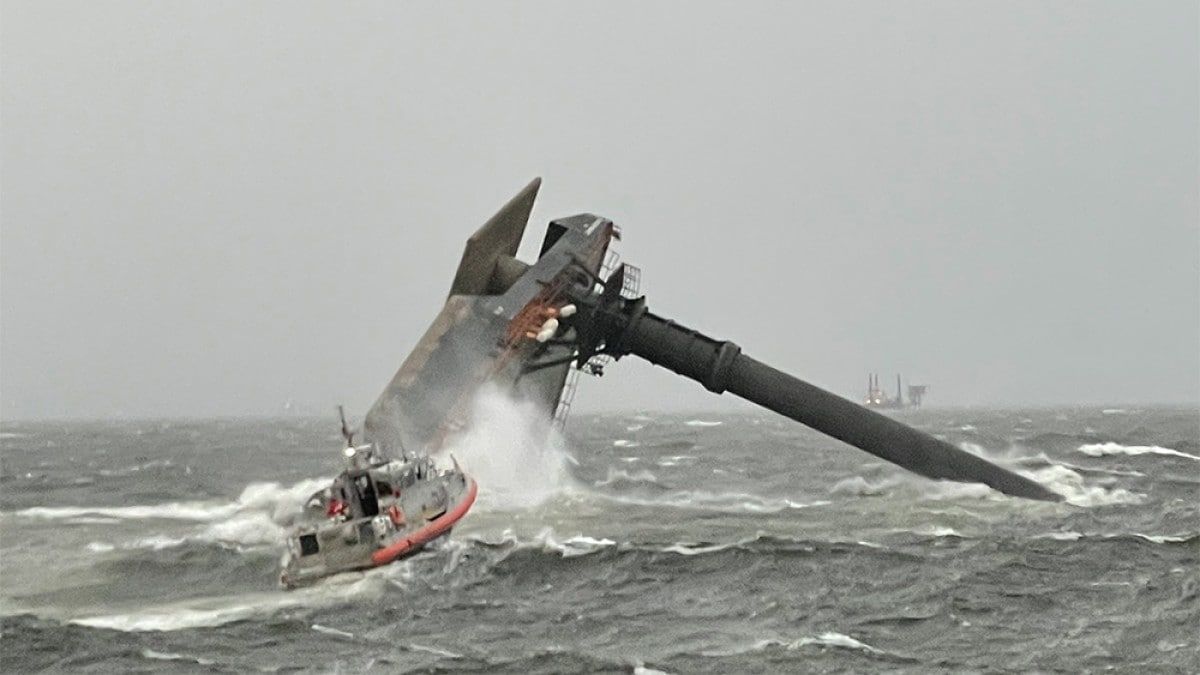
(878, 398)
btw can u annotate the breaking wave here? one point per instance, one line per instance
(1043, 460)
(218, 611)
(730, 502)
(857, 486)
(1071, 486)
(675, 460)
(259, 517)
(827, 639)
(548, 542)
(620, 478)
(1162, 539)
(278, 501)
(1108, 449)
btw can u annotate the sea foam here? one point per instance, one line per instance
(1107, 449)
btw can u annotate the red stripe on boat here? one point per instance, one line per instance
(435, 528)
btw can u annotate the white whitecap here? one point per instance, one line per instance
(218, 611)
(827, 639)
(831, 639)
(577, 545)
(695, 549)
(1164, 538)
(331, 631)
(622, 476)
(1068, 535)
(730, 502)
(434, 650)
(859, 487)
(1076, 492)
(169, 656)
(937, 531)
(1110, 448)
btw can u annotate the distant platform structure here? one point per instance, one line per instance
(878, 398)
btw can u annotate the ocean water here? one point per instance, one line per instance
(639, 543)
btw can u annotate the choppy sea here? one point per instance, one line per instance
(647, 542)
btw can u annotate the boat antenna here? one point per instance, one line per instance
(346, 433)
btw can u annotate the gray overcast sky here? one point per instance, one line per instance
(212, 208)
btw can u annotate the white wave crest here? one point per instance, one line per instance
(1071, 535)
(1106, 449)
(697, 549)
(197, 511)
(218, 611)
(939, 531)
(827, 639)
(259, 516)
(835, 640)
(622, 476)
(1165, 538)
(153, 464)
(169, 656)
(858, 486)
(623, 443)
(548, 542)
(1043, 458)
(154, 543)
(246, 529)
(434, 650)
(734, 502)
(279, 501)
(944, 489)
(1071, 486)
(675, 460)
(702, 423)
(1068, 535)
(181, 618)
(332, 631)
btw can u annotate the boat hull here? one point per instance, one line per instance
(403, 525)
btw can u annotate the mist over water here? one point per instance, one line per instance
(680, 543)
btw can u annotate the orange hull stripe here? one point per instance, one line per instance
(435, 528)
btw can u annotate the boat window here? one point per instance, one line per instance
(368, 500)
(309, 545)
